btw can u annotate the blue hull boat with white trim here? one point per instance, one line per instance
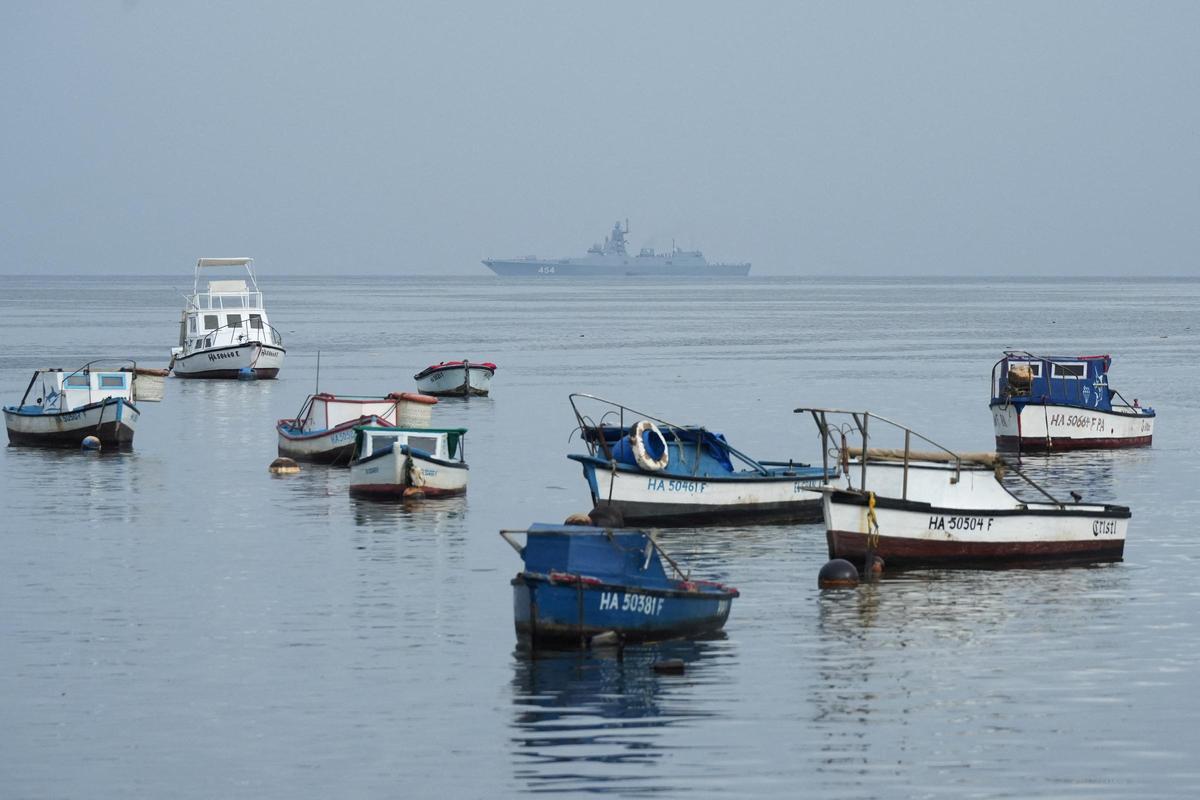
(60, 409)
(581, 581)
(654, 472)
(1048, 403)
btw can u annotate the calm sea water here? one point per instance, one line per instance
(175, 622)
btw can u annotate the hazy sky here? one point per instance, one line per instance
(863, 138)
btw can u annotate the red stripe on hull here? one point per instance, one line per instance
(903, 553)
(1039, 444)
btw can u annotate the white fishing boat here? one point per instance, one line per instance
(456, 379)
(323, 431)
(61, 408)
(1049, 403)
(942, 508)
(395, 463)
(224, 331)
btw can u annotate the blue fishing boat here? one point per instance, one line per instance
(1063, 403)
(654, 472)
(582, 581)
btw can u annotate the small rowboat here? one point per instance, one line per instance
(456, 379)
(654, 472)
(940, 508)
(323, 431)
(398, 463)
(581, 581)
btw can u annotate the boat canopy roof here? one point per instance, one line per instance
(453, 435)
(224, 262)
(227, 287)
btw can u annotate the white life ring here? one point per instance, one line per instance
(640, 455)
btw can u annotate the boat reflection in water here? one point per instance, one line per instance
(598, 722)
(896, 664)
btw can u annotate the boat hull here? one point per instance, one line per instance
(569, 610)
(913, 534)
(262, 361)
(571, 269)
(643, 497)
(456, 381)
(332, 446)
(397, 473)
(1049, 427)
(112, 421)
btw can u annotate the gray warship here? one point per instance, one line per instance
(612, 259)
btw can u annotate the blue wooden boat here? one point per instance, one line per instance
(581, 581)
(654, 472)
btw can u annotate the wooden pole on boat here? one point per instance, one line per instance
(317, 388)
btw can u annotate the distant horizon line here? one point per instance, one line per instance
(1124, 278)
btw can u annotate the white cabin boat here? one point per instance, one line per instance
(60, 409)
(941, 508)
(456, 379)
(323, 431)
(224, 331)
(395, 463)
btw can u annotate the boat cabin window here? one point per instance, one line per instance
(77, 382)
(233, 320)
(112, 381)
(191, 324)
(426, 443)
(210, 322)
(256, 321)
(208, 341)
(1068, 370)
(380, 442)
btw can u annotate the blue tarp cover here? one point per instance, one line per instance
(582, 550)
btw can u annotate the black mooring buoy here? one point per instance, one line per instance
(838, 574)
(669, 666)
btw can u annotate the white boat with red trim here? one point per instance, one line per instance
(323, 431)
(456, 379)
(1047, 403)
(61, 409)
(398, 463)
(224, 331)
(940, 508)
